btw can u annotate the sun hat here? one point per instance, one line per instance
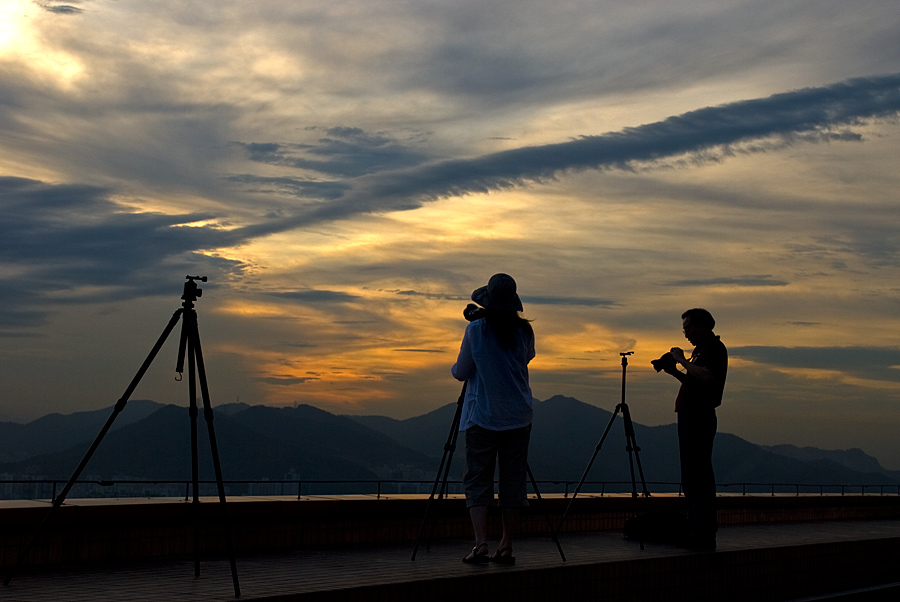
(500, 293)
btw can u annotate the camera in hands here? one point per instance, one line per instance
(472, 312)
(666, 362)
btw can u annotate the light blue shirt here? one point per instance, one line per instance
(498, 396)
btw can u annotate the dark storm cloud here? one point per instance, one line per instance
(761, 280)
(877, 363)
(802, 116)
(55, 239)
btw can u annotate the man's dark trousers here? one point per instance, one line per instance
(696, 431)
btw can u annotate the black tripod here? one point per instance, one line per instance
(443, 472)
(190, 343)
(631, 447)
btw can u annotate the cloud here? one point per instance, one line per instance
(286, 381)
(585, 301)
(821, 114)
(420, 350)
(106, 244)
(876, 363)
(536, 300)
(60, 9)
(62, 244)
(344, 151)
(760, 280)
(439, 296)
(316, 296)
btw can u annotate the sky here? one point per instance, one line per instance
(345, 173)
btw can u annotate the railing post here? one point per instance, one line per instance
(299, 490)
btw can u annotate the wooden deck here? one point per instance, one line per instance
(758, 562)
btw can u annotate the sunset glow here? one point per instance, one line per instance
(346, 173)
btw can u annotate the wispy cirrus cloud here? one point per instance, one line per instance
(810, 115)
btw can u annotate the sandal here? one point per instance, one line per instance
(476, 556)
(503, 556)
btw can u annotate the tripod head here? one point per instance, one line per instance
(191, 291)
(625, 355)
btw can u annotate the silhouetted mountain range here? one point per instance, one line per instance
(152, 441)
(566, 432)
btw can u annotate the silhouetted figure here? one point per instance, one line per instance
(496, 413)
(702, 384)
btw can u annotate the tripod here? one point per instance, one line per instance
(443, 472)
(631, 447)
(190, 345)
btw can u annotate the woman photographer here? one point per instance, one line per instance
(493, 359)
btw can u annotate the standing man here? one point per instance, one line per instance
(702, 384)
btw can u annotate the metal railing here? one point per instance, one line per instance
(47, 488)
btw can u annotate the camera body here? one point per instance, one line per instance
(666, 362)
(472, 312)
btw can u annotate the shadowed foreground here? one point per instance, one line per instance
(756, 561)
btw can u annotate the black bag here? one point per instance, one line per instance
(659, 526)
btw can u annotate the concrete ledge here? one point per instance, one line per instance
(771, 562)
(83, 531)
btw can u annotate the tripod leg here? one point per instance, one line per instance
(630, 449)
(194, 335)
(445, 461)
(443, 492)
(120, 405)
(633, 454)
(537, 492)
(587, 469)
(444, 467)
(195, 462)
(632, 442)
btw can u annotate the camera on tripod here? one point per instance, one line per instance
(666, 362)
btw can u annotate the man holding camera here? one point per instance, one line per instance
(702, 385)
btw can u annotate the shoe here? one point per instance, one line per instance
(478, 555)
(503, 556)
